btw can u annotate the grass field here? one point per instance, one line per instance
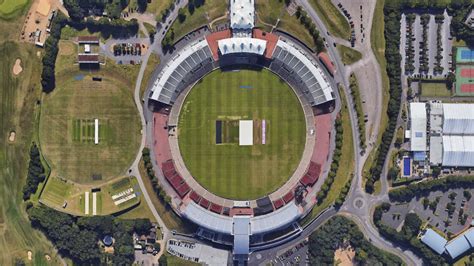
(334, 20)
(212, 9)
(377, 42)
(10, 8)
(348, 55)
(432, 89)
(269, 11)
(153, 62)
(345, 169)
(17, 112)
(230, 170)
(66, 130)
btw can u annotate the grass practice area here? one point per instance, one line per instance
(9, 8)
(67, 129)
(230, 170)
(432, 89)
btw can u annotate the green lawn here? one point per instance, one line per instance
(348, 55)
(432, 89)
(111, 102)
(10, 8)
(234, 171)
(201, 16)
(346, 167)
(17, 112)
(334, 20)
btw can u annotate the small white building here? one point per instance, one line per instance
(87, 48)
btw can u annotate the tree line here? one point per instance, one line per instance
(160, 192)
(407, 237)
(340, 232)
(306, 21)
(323, 192)
(407, 193)
(36, 173)
(77, 237)
(80, 9)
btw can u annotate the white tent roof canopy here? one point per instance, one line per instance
(458, 151)
(242, 45)
(242, 14)
(458, 118)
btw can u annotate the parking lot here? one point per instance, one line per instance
(446, 215)
(297, 255)
(419, 43)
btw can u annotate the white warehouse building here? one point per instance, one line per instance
(450, 133)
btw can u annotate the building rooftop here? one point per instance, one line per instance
(434, 240)
(242, 14)
(418, 123)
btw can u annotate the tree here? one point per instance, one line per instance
(181, 15)
(425, 203)
(142, 5)
(467, 194)
(452, 195)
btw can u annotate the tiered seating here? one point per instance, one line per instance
(295, 66)
(311, 175)
(176, 181)
(181, 71)
(204, 203)
(289, 196)
(195, 197)
(278, 203)
(216, 208)
(183, 190)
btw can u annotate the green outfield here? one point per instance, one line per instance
(230, 170)
(67, 129)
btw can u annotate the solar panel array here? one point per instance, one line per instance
(184, 74)
(291, 68)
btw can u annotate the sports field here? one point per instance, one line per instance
(230, 170)
(465, 80)
(67, 129)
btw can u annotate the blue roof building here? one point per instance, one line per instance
(434, 240)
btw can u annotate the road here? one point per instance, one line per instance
(156, 46)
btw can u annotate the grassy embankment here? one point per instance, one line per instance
(334, 20)
(269, 11)
(378, 47)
